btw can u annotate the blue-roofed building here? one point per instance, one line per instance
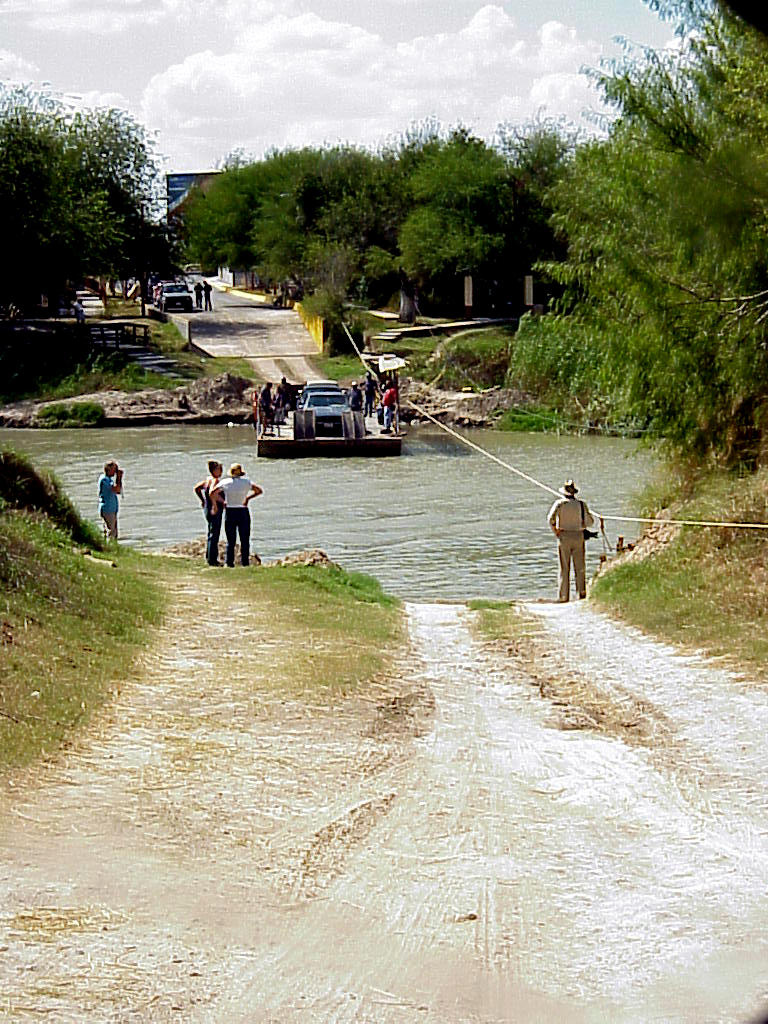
(178, 186)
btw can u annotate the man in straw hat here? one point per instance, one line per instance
(237, 490)
(568, 518)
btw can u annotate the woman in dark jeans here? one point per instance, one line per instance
(213, 510)
(237, 490)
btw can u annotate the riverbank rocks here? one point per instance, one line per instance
(460, 408)
(653, 540)
(228, 399)
(310, 557)
(196, 549)
(222, 399)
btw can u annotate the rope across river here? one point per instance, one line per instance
(551, 490)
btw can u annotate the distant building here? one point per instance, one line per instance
(178, 187)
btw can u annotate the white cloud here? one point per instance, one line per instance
(98, 100)
(291, 80)
(16, 69)
(111, 17)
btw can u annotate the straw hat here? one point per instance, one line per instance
(236, 469)
(569, 488)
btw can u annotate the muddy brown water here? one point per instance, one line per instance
(441, 522)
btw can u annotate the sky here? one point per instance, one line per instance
(209, 79)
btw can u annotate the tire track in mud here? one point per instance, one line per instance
(529, 871)
(696, 720)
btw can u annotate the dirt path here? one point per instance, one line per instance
(471, 841)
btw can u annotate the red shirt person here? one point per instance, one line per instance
(389, 402)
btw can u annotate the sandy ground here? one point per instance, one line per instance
(569, 829)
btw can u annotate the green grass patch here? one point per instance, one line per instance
(75, 414)
(69, 621)
(499, 621)
(343, 369)
(23, 487)
(69, 631)
(482, 604)
(112, 372)
(338, 630)
(493, 617)
(708, 589)
(476, 359)
(531, 421)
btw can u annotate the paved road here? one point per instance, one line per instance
(274, 341)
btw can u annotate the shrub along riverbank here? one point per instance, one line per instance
(708, 587)
(74, 618)
(555, 383)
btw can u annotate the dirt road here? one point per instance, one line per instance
(274, 341)
(570, 830)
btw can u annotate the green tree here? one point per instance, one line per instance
(75, 191)
(463, 202)
(667, 225)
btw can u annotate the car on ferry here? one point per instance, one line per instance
(320, 385)
(328, 403)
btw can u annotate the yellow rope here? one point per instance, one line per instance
(488, 455)
(545, 487)
(551, 490)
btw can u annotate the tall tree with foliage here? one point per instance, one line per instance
(78, 195)
(667, 221)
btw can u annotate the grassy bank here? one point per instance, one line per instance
(708, 588)
(331, 632)
(74, 617)
(71, 622)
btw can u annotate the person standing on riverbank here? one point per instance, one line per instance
(568, 519)
(213, 511)
(237, 490)
(110, 485)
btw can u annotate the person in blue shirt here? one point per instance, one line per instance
(110, 485)
(213, 510)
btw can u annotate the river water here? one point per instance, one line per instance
(440, 522)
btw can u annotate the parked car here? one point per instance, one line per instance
(174, 295)
(328, 405)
